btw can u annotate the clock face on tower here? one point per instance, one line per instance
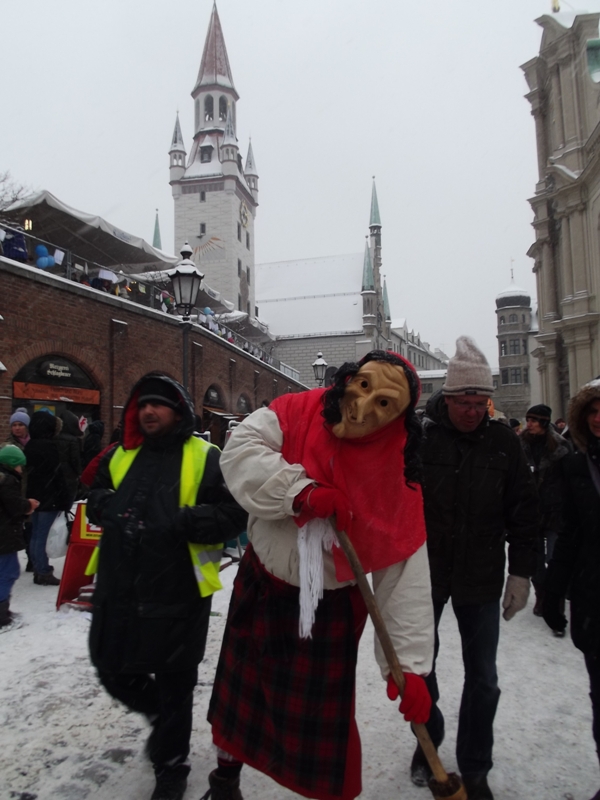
(244, 214)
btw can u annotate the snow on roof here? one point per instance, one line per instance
(513, 291)
(214, 67)
(424, 374)
(108, 245)
(310, 296)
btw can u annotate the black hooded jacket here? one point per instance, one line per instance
(148, 613)
(478, 494)
(575, 560)
(45, 479)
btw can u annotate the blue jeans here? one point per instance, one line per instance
(479, 627)
(9, 572)
(41, 522)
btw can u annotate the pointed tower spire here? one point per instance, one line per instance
(386, 303)
(177, 144)
(214, 67)
(250, 172)
(229, 137)
(375, 218)
(156, 241)
(177, 153)
(368, 281)
(250, 163)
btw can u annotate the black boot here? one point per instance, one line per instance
(45, 579)
(170, 785)
(223, 788)
(4, 613)
(477, 787)
(420, 771)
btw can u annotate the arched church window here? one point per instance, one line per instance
(502, 320)
(208, 108)
(222, 108)
(513, 318)
(197, 113)
(206, 154)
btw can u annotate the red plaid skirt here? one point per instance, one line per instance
(282, 704)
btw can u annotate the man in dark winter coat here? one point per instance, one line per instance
(69, 442)
(575, 561)
(165, 511)
(478, 495)
(46, 483)
(92, 443)
(544, 448)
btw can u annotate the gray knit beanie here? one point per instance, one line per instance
(468, 371)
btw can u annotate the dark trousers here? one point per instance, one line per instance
(593, 667)
(479, 627)
(167, 700)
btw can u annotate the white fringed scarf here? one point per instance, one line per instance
(314, 537)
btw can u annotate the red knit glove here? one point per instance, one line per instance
(323, 502)
(416, 702)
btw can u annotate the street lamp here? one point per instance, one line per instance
(186, 279)
(319, 367)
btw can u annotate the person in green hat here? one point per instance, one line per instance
(14, 508)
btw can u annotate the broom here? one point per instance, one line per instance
(443, 785)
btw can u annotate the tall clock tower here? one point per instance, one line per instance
(215, 193)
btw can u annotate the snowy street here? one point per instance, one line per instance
(62, 737)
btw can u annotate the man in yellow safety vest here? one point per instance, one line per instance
(165, 513)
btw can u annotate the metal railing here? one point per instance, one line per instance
(81, 270)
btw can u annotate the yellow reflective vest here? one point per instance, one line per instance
(206, 558)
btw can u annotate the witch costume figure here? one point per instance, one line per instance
(284, 695)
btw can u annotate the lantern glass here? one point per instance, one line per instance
(319, 368)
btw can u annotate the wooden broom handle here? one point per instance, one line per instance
(420, 730)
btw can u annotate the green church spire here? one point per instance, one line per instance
(156, 241)
(368, 281)
(375, 218)
(386, 302)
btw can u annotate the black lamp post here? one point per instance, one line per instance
(319, 368)
(186, 279)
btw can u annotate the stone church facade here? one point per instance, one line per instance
(564, 93)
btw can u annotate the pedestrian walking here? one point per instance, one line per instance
(14, 509)
(165, 513)
(544, 449)
(46, 483)
(575, 562)
(284, 693)
(479, 495)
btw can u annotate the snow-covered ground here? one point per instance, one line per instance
(61, 736)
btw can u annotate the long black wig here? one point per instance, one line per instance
(332, 414)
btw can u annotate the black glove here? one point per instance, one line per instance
(552, 611)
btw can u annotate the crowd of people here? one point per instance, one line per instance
(450, 508)
(41, 465)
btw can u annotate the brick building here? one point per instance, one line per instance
(64, 345)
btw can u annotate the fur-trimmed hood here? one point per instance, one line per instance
(578, 427)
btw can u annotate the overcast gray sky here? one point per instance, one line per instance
(426, 96)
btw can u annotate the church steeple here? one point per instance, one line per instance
(214, 67)
(156, 241)
(250, 172)
(368, 282)
(375, 220)
(177, 152)
(214, 92)
(214, 199)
